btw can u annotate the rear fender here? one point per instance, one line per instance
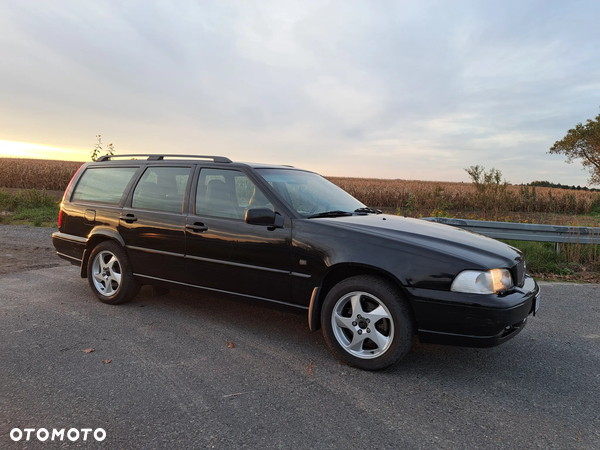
(98, 234)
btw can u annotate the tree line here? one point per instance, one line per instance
(549, 184)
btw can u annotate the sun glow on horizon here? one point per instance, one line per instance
(16, 149)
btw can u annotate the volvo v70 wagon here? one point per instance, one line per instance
(289, 239)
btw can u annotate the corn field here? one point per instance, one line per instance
(51, 175)
(406, 196)
(410, 196)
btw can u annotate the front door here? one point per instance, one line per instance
(225, 253)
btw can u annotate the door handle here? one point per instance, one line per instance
(198, 227)
(129, 218)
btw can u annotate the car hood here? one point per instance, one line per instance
(438, 238)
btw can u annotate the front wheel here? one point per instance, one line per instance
(366, 322)
(110, 275)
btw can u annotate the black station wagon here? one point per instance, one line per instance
(289, 239)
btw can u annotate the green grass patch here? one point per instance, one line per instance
(595, 210)
(38, 216)
(542, 257)
(29, 206)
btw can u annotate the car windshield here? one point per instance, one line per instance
(309, 194)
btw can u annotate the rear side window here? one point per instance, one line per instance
(162, 189)
(103, 185)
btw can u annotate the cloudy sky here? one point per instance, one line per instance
(386, 89)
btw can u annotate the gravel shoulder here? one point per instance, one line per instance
(25, 248)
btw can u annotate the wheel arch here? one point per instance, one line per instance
(341, 272)
(97, 236)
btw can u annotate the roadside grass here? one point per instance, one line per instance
(595, 210)
(574, 262)
(29, 206)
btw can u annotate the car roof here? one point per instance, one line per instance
(267, 166)
(160, 158)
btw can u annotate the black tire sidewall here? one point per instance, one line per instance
(396, 305)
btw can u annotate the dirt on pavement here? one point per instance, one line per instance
(25, 248)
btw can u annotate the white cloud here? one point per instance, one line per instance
(352, 105)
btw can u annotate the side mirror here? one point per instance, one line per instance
(264, 216)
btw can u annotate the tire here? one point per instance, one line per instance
(367, 323)
(110, 275)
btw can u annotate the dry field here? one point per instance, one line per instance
(408, 197)
(411, 196)
(47, 174)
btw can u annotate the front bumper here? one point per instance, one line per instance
(472, 320)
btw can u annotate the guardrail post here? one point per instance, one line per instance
(557, 247)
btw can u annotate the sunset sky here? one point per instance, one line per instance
(386, 89)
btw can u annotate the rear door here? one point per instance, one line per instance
(227, 254)
(152, 223)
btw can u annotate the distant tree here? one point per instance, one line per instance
(98, 151)
(491, 189)
(582, 142)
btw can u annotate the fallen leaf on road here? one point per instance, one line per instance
(89, 350)
(107, 361)
(310, 368)
(230, 344)
(233, 395)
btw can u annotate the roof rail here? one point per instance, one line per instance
(217, 159)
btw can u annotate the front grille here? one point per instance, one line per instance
(519, 271)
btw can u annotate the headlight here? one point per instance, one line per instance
(476, 282)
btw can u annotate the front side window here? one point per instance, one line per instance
(103, 185)
(227, 193)
(161, 189)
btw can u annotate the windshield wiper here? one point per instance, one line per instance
(330, 214)
(366, 209)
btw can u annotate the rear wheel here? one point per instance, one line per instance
(110, 275)
(366, 322)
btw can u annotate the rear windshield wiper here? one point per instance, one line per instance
(366, 209)
(330, 214)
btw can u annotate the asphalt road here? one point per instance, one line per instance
(173, 382)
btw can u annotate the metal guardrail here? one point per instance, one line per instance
(525, 231)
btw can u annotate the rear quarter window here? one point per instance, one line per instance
(103, 185)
